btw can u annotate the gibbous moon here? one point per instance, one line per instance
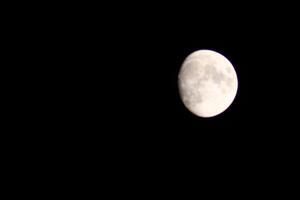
(207, 83)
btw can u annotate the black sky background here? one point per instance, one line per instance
(101, 88)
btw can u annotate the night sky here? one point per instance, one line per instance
(101, 89)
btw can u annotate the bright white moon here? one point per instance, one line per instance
(207, 83)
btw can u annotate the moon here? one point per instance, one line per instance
(207, 83)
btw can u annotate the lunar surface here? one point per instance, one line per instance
(207, 83)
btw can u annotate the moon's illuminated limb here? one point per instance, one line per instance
(207, 83)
